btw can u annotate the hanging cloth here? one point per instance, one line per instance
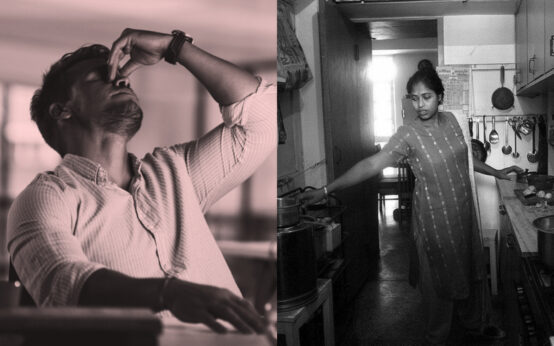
(292, 68)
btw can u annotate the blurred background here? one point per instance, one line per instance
(36, 33)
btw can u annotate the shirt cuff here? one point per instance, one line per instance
(237, 113)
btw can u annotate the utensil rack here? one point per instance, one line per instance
(501, 118)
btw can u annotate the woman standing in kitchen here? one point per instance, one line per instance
(450, 269)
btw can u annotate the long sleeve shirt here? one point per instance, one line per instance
(72, 221)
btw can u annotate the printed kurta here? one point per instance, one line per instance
(443, 218)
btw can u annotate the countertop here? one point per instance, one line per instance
(521, 216)
(19, 325)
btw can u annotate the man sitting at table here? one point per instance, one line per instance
(108, 229)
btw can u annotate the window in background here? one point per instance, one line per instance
(25, 154)
(382, 72)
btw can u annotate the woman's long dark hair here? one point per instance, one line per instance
(427, 75)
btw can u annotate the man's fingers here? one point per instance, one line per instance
(248, 313)
(231, 314)
(130, 67)
(118, 51)
(215, 326)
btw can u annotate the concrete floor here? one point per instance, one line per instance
(387, 310)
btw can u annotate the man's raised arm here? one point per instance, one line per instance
(226, 82)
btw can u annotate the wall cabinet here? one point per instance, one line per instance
(521, 45)
(534, 28)
(549, 33)
(535, 38)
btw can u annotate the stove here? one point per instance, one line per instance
(535, 294)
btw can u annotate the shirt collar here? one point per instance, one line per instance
(94, 171)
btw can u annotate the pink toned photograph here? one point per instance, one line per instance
(138, 161)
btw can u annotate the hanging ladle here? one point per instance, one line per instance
(515, 154)
(486, 143)
(532, 156)
(507, 149)
(493, 136)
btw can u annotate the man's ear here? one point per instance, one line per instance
(440, 99)
(59, 111)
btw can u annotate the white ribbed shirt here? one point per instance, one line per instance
(72, 221)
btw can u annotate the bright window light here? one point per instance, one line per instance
(382, 69)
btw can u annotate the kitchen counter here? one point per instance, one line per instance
(521, 216)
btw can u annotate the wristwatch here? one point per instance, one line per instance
(172, 52)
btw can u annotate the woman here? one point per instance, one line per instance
(444, 224)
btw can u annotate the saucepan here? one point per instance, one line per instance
(289, 210)
(545, 239)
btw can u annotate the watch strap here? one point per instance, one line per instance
(172, 52)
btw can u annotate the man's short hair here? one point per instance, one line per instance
(56, 86)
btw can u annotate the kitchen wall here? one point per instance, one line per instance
(304, 165)
(486, 42)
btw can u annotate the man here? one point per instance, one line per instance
(105, 228)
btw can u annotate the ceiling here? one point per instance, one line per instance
(368, 10)
(240, 28)
(402, 29)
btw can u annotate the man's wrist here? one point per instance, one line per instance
(163, 298)
(174, 48)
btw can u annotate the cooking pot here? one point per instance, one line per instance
(296, 267)
(289, 210)
(541, 181)
(545, 239)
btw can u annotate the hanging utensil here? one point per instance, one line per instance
(485, 142)
(514, 124)
(525, 126)
(515, 154)
(507, 149)
(477, 147)
(502, 98)
(532, 156)
(471, 127)
(493, 136)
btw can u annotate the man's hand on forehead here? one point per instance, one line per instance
(142, 47)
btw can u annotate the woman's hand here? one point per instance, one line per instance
(312, 196)
(503, 173)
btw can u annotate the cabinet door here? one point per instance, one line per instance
(535, 37)
(521, 45)
(549, 31)
(509, 275)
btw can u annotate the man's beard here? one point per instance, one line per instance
(122, 118)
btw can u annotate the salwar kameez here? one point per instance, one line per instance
(444, 223)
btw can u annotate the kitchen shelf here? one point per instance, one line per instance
(539, 86)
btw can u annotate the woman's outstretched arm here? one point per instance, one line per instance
(363, 170)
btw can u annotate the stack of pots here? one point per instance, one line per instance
(296, 264)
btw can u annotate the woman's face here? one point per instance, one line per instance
(425, 101)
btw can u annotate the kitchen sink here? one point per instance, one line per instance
(545, 223)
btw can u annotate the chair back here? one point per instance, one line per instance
(25, 298)
(406, 182)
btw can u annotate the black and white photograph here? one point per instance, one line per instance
(415, 144)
